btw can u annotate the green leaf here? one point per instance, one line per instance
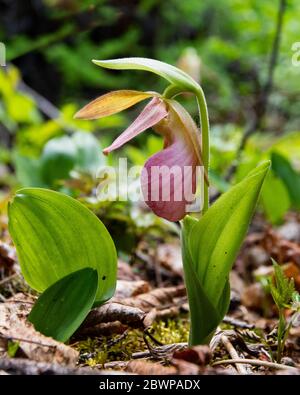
(89, 157)
(204, 316)
(61, 155)
(56, 235)
(275, 198)
(209, 250)
(283, 289)
(170, 73)
(12, 348)
(58, 159)
(61, 309)
(283, 169)
(218, 181)
(28, 171)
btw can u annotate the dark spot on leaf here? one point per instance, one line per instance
(225, 252)
(104, 277)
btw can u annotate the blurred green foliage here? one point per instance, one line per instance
(51, 42)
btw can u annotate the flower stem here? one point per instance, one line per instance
(280, 335)
(204, 121)
(171, 91)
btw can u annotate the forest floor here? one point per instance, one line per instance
(144, 328)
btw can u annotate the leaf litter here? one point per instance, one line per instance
(144, 328)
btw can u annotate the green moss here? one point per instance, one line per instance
(171, 331)
(98, 351)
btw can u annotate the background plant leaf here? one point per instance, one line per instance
(284, 170)
(61, 309)
(56, 235)
(275, 198)
(58, 159)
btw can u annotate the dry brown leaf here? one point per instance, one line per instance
(34, 345)
(236, 283)
(290, 231)
(127, 289)
(170, 312)
(169, 256)
(185, 368)
(149, 368)
(125, 271)
(216, 371)
(158, 298)
(111, 312)
(276, 246)
(199, 355)
(104, 329)
(287, 372)
(290, 269)
(135, 312)
(253, 296)
(7, 255)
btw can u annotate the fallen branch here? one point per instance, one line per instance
(237, 323)
(256, 362)
(21, 339)
(232, 352)
(27, 367)
(9, 278)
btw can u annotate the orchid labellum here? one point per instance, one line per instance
(169, 177)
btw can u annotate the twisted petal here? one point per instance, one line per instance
(112, 103)
(153, 113)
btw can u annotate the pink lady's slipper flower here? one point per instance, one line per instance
(168, 179)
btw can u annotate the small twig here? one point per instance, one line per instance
(141, 354)
(43, 104)
(113, 364)
(47, 107)
(147, 333)
(118, 339)
(3, 298)
(28, 367)
(233, 353)
(157, 269)
(162, 350)
(20, 301)
(255, 362)
(19, 339)
(9, 278)
(237, 323)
